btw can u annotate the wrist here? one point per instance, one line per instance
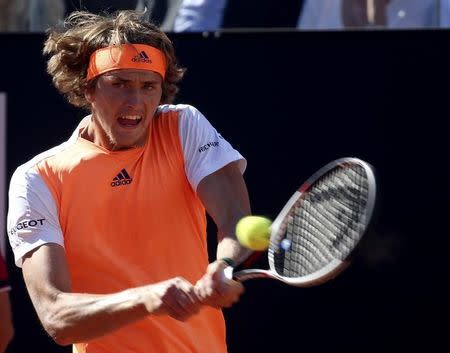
(229, 261)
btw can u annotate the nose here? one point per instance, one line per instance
(134, 98)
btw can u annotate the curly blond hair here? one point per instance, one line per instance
(71, 46)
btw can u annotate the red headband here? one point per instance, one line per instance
(126, 56)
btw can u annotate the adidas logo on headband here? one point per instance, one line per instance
(124, 56)
(142, 57)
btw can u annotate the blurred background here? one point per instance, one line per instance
(210, 15)
(292, 84)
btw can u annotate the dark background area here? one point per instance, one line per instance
(291, 102)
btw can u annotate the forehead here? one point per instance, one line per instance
(134, 74)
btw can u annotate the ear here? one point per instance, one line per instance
(89, 93)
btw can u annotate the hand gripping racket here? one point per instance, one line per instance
(319, 227)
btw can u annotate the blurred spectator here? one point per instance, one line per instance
(45, 13)
(161, 12)
(38, 15)
(199, 15)
(13, 15)
(415, 13)
(341, 14)
(29, 15)
(211, 15)
(444, 13)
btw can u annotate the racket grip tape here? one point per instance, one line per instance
(228, 261)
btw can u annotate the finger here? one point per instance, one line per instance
(194, 296)
(187, 297)
(203, 289)
(190, 291)
(229, 293)
(189, 306)
(223, 286)
(181, 305)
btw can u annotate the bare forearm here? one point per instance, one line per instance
(229, 247)
(78, 317)
(226, 199)
(81, 317)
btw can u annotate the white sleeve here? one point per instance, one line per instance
(32, 214)
(204, 149)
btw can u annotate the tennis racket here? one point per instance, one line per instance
(314, 235)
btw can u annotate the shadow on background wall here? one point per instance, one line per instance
(291, 102)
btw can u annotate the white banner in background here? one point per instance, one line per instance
(2, 172)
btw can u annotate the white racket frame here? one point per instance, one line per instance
(336, 266)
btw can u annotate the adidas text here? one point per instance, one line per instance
(121, 182)
(141, 57)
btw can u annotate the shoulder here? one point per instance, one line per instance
(183, 111)
(187, 117)
(26, 170)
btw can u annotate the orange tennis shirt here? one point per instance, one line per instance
(128, 218)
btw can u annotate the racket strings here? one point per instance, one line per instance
(325, 223)
(312, 249)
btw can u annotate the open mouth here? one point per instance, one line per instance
(129, 120)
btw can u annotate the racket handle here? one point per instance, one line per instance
(245, 275)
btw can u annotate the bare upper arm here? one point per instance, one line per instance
(46, 274)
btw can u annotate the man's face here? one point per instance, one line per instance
(123, 104)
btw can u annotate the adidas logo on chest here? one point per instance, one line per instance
(123, 178)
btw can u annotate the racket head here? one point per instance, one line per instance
(317, 230)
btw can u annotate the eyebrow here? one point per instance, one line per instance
(122, 79)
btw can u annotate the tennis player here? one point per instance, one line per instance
(109, 227)
(6, 324)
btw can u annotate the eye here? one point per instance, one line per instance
(118, 84)
(148, 86)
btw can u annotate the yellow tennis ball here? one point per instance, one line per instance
(253, 232)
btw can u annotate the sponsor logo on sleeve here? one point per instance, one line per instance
(207, 146)
(32, 223)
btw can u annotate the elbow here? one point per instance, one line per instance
(58, 331)
(62, 340)
(59, 336)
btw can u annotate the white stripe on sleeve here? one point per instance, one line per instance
(205, 150)
(32, 214)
